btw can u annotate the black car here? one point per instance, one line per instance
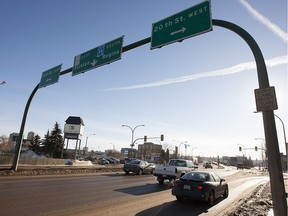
(208, 165)
(139, 167)
(198, 185)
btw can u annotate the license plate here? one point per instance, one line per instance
(186, 187)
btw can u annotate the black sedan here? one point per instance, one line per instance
(198, 185)
(139, 167)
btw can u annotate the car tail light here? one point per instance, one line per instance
(176, 184)
(200, 187)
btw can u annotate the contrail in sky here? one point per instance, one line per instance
(222, 72)
(273, 27)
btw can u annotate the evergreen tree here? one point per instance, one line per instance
(35, 145)
(56, 140)
(46, 144)
(53, 144)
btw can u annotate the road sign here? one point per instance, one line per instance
(98, 56)
(50, 76)
(187, 23)
(266, 99)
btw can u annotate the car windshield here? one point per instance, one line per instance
(134, 162)
(179, 163)
(196, 176)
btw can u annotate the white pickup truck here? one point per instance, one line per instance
(173, 170)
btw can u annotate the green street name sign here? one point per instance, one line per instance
(50, 76)
(187, 23)
(98, 56)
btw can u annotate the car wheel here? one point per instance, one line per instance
(161, 181)
(180, 199)
(140, 172)
(211, 198)
(126, 172)
(226, 192)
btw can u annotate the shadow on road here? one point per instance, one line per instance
(144, 189)
(186, 207)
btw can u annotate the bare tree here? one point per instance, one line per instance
(4, 145)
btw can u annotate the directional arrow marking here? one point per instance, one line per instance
(182, 30)
(94, 63)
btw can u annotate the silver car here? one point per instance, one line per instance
(139, 167)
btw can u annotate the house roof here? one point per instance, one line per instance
(74, 120)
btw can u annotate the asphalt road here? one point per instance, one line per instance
(112, 194)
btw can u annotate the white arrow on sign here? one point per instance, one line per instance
(182, 30)
(94, 63)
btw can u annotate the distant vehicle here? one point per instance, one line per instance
(139, 167)
(208, 165)
(198, 185)
(175, 169)
(114, 160)
(240, 166)
(103, 161)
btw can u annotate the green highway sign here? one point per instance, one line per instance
(187, 23)
(50, 76)
(98, 56)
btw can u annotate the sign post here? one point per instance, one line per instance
(187, 23)
(98, 56)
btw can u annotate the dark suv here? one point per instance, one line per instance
(240, 166)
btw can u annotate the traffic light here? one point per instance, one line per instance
(256, 149)
(162, 137)
(240, 148)
(145, 138)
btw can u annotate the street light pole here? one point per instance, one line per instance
(132, 130)
(265, 160)
(284, 134)
(87, 141)
(3, 82)
(192, 151)
(185, 143)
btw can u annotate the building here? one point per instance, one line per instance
(128, 153)
(149, 151)
(13, 137)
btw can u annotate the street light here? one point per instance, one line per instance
(185, 143)
(264, 157)
(87, 140)
(3, 82)
(285, 142)
(192, 151)
(132, 130)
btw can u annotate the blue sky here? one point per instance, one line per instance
(200, 90)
